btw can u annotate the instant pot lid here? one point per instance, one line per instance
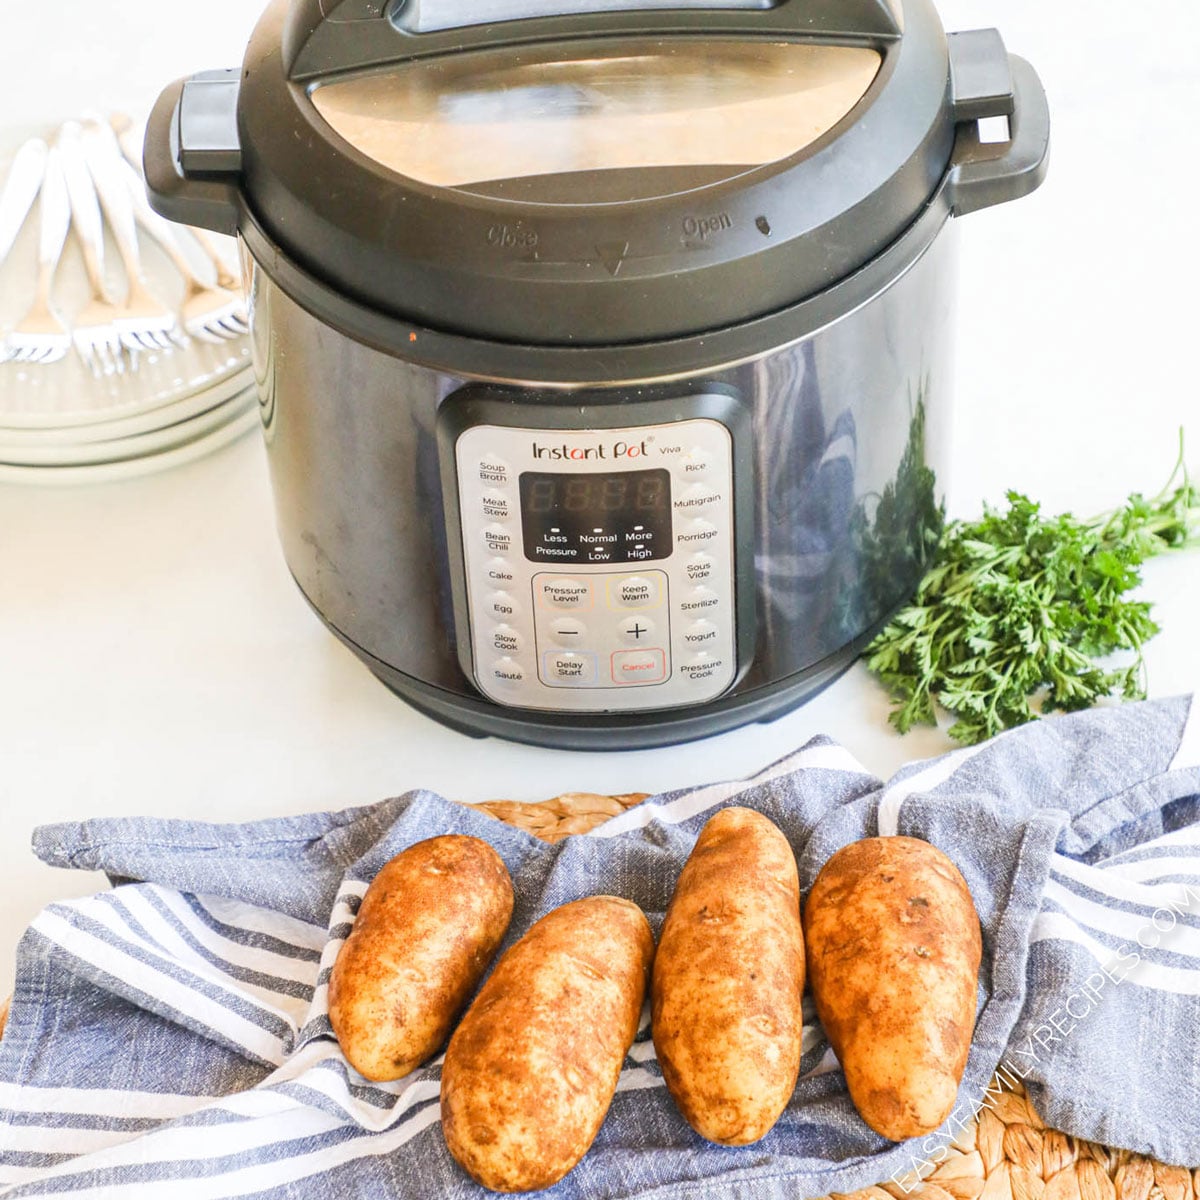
(602, 177)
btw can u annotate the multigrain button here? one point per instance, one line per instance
(637, 631)
(700, 567)
(506, 640)
(493, 469)
(700, 633)
(497, 539)
(697, 532)
(564, 592)
(500, 605)
(636, 591)
(639, 666)
(566, 669)
(699, 602)
(567, 631)
(507, 672)
(695, 499)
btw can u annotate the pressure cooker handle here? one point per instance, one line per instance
(986, 81)
(323, 37)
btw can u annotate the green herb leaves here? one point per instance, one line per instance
(1019, 605)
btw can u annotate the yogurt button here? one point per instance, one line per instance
(700, 633)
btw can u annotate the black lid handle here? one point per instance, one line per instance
(989, 82)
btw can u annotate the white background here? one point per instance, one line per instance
(155, 656)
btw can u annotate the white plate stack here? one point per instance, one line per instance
(169, 377)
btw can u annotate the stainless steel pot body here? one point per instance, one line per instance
(847, 445)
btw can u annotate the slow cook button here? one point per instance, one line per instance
(507, 672)
(700, 567)
(639, 666)
(506, 639)
(493, 469)
(564, 592)
(700, 633)
(699, 601)
(636, 591)
(495, 507)
(699, 667)
(566, 669)
(500, 605)
(696, 533)
(497, 540)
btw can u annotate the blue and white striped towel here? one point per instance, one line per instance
(170, 1037)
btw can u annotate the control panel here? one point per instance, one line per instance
(599, 565)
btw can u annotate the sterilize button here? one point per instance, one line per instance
(700, 567)
(497, 540)
(493, 469)
(639, 666)
(636, 591)
(501, 606)
(495, 507)
(699, 602)
(700, 633)
(637, 631)
(507, 671)
(567, 668)
(564, 592)
(567, 631)
(506, 639)
(696, 533)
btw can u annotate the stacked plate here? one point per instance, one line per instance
(147, 402)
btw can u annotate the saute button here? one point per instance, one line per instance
(561, 591)
(700, 633)
(700, 567)
(500, 605)
(699, 601)
(493, 469)
(497, 540)
(507, 671)
(696, 533)
(639, 666)
(637, 631)
(506, 639)
(636, 591)
(567, 631)
(568, 668)
(495, 507)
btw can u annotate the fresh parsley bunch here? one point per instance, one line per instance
(1020, 606)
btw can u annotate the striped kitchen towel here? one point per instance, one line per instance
(170, 1037)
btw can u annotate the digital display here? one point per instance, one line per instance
(618, 516)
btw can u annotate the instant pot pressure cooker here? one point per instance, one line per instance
(603, 347)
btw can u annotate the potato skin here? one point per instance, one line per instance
(728, 980)
(425, 933)
(531, 1070)
(893, 955)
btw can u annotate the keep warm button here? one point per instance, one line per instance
(639, 666)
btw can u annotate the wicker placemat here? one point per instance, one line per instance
(1006, 1153)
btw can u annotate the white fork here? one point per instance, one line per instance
(40, 337)
(145, 323)
(20, 191)
(96, 338)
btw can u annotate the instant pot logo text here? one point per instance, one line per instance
(616, 450)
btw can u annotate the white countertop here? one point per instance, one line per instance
(155, 656)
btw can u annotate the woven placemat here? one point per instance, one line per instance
(1006, 1153)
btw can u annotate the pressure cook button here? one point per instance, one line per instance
(636, 591)
(701, 666)
(700, 633)
(700, 567)
(499, 572)
(495, 507)
(507, 671)
(501, 606)
(493, 469)
(497, 540)
(506, 639)
(567, 631)
(696, 533)
(637, 631)
(639, 666)
(564, 592)
(699, 601)
(567, 669)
